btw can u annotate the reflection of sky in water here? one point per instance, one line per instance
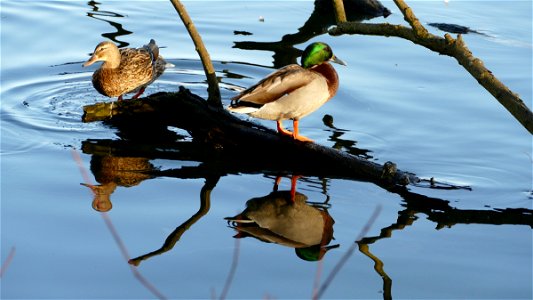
(396, 102)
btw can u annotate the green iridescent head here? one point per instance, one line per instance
(313, 253)
(318, 53)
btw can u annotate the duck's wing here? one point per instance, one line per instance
(135, 70)
(132, 58)
(274, 86)
(141, 57)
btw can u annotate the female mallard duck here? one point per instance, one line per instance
(127, 70)
(293, 91)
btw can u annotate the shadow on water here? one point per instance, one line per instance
(101, 15)
(322, 17)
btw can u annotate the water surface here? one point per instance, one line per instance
(397, 102)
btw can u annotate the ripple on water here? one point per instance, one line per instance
(45, 107)
(48, 105)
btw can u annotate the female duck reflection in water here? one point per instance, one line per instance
(292, 92)
(125, 70)
(110, 172)
(285, 218)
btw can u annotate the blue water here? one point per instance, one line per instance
(397, 102)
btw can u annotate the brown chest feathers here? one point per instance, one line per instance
(331, 77)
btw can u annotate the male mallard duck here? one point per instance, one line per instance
(127, 70)
(293, 91)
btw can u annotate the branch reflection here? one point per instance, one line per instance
(322, 17)
(283, 217)
(98, 14)
(344, 144)
(174, 237)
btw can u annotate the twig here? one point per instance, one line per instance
(409, 16)
(7, 262)
(449, 46)
(316, 283)
(347, 255)
(126, 256)
(114, 233)
(231, 273)
(340, 14)
(212, 81)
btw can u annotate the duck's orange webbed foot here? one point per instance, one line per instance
(294, 134)
(282, 130)
(302, 138)
(298, 137)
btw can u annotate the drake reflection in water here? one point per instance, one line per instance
(289, 221)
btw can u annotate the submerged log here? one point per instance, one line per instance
(238, 143)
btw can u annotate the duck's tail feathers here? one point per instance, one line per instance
(238, 219)
(242, 109)
(153, 49)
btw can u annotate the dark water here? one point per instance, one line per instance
(397, 102)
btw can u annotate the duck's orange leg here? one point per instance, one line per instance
(139, 93)
(276, 183)
(294, 181)
(296, 136)
(282, 130)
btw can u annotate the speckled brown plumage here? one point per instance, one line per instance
(126, 70)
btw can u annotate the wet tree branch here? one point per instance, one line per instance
(244, 145)
(449, 46)
(212, 81)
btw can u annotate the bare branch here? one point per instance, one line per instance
(409, 16)
(449, 46)
(212, 81)
(232, 271)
